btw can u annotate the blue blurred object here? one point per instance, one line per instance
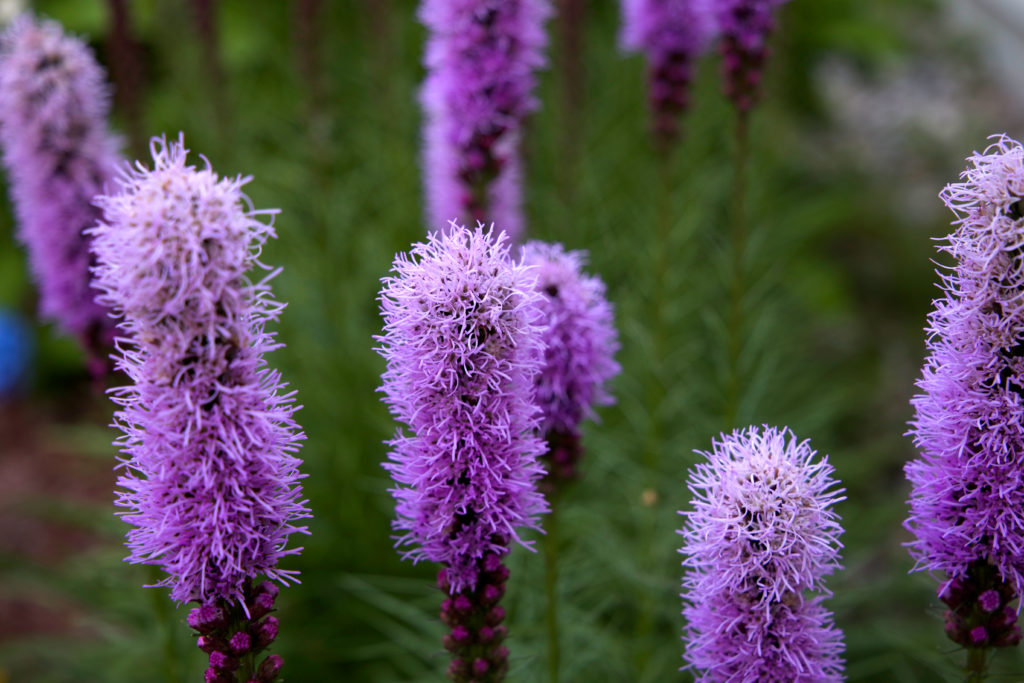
(15, 352)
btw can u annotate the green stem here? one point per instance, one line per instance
(739, 241)
(977, 664)
(165, 617)
(550, 586)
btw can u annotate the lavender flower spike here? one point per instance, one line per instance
(673, 34)
(211, 482)
(58, 153)
(463, 348)
(481, 56)
(968, 485)
(759, 541)
(745, 26)
(580, 344)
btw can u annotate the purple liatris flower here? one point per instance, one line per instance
(672, 34)
(580, 344)
(744, 26)
(59, 154)
(759, 541)
(481, 56)
(211, 482)
(967, 485)
(463, 348)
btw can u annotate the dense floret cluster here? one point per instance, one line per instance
(759, 541)
(58, 154)
(211, 482)
(481, 58)
(968, 484)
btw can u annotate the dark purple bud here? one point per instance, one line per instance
(952, 593)
(460, 634)
(495, 616)
(442, 580)
(211, 675)
(458, 669)
(241, 643)
(491, 562)
(462, 604)
(485, 634)
(207, 618)
(261, 605)
(223, 661)
(500, 575)
(210, 643)
(978, 635)
(1009, 638)
(492, 593)
(269, 668)
(989, 600)
(480, 666)
(266, 632)
(269, 588)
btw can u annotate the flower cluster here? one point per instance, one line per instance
(480, 58)
(59, 155)
(759, 541)
(673, 34)
(211, 480)
(474, 617)
(580, 344)
(463, 348)
(968, 485)
(744, 26)
(233, 644)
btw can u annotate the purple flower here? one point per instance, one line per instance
(463, 348)
(481, 56)
(968, 487)
(462, 341)
(54, 103)
(211, 480)
(580, 344)
(759, 541)
(673, 34)
(744, 26)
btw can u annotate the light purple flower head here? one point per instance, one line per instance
(580, 344)
(59, 154)
(463, 348)
(672, 34)
(744, 26)
(759, 541)
(481, 58)
(211, 480)
(968, 484)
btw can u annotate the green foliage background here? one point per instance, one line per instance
(839, 285)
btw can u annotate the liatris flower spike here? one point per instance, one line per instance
(744, 26)
(481, 56)
(673, 34)
(968, 484)
(58, 154)
(211, 482)
(580, 344)
(759, 540)
(463, 348)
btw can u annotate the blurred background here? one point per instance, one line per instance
(870, 108)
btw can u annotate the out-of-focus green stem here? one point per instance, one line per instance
(733, 391)
(977, 664)
(551, 591)
(165, 617)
